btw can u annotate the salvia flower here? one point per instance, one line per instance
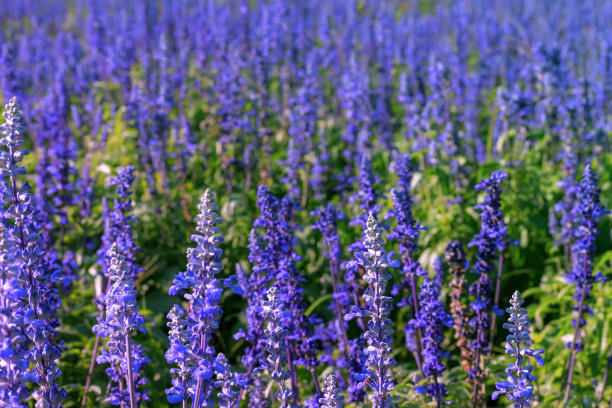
(14, 374)
(120, 223)
(179, 354)
(570, 189)
(490, 241)
(406, 232)
(120, 323)
(273, 310)
(228, 382)
(588, 211)
(432, 318)
(367, 196)
(192, 349)
(327, 223)
(377, 369)
(255, 284)
(519, 382)
(331, 394)
(39, 279)
(275, 260)
(493, 236)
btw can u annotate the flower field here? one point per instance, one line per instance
(322, 204)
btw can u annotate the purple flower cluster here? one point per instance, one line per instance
(29, 290)
(276, 347)
(406, 232)
(331, 394)
(493, 236)
(274, 264)
(433, 318)
(376, 371)
(14, 375)
(519, 382)
(327, 223)
(490, 242)
(588, 211)
(120, 323)
(120, 222)
(193, 330)
(228, 383)
(305, 97)
(117, 231)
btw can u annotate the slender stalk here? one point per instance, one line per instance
(316, 382)
(604, 380)
(130, 376)
(415, 310)
(500, 265)
(94, 354)
(475, 389)
(572, 362)
(293, 370)
(92, 364)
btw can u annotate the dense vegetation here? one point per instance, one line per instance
(387, 203)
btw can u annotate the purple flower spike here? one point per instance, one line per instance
(121, 321)
(433, 318)
(30, 282)
(274, 313)
(193, 330)
(376, 372)
(491, 241)
(588, 211)
(519, 383)
(14, 373)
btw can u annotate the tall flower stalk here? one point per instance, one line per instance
(375, 260)
(274, 263)
(490, 241)
(120, 323)
(327, 223)
(407, 232)
(588, 211)
(117, 230)
(39, 280)
(14, 373)
(519, 382)
(273, 310)
(193, 330)
(433, 318)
